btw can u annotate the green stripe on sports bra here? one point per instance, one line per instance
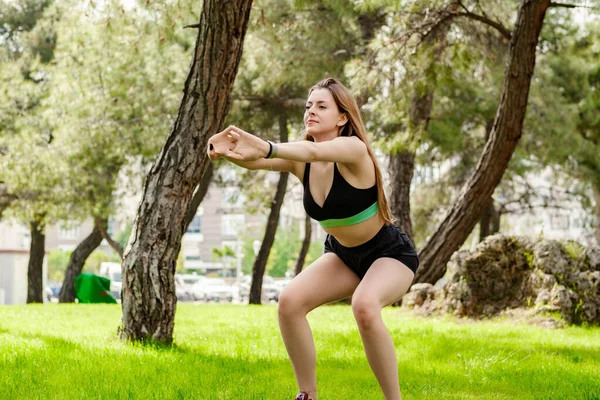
(355, 219)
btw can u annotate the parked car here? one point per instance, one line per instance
(52, 290)
(112, 271)
(182, 292)
(48, 293)
(215, 289)
(270, 291)
(194, 285)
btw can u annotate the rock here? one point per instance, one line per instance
(513, 273)
(543, 297)
(418, 294)
(551, 258)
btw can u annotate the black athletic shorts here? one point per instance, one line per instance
(390, 242)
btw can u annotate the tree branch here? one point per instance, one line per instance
(115, 246)
(496, 25)
(565, 5)
(440, 17)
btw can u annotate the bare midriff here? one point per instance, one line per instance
(357, 234)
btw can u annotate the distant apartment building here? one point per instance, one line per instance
(219, 222)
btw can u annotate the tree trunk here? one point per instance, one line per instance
(402, 167)
(35, 270)
(260, 264)
(486, 220)
(199, 194)
(496, 215)
(149, 299)
(486, 217)
(596, 190)
(505, 135)
(305, 245)
(76, 263)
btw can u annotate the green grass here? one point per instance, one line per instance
(235, 352)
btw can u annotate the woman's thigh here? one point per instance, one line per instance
(326, 280)
(385, 282)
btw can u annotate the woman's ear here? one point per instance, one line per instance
(343, 119)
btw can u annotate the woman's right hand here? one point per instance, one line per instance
(220, 144)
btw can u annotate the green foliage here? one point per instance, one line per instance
(284, 252)
(221, 253)
(17, 19)
(100, 110)
(57, 264)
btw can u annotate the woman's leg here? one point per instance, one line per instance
(324, 281)
(384, 283)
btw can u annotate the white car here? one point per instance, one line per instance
(215, 289)
(182, 292)
(193, 283)
(112, 271)
(269, 292)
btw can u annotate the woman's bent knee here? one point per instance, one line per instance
(290, 304)
(367, 311)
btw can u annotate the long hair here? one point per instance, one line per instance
(346, 103)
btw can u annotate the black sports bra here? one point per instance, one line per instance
(344, 204)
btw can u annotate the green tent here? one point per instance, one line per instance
(91, 288)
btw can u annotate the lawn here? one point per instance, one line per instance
(235, 352)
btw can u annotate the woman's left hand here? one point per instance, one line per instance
(247, 146)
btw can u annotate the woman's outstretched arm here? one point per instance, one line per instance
(221, 145)
(247, 147)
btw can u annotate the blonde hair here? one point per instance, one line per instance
(346, 104)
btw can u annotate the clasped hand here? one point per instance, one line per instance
(237, 144)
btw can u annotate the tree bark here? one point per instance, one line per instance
(76, 263)
(505, 135)
(486, 218)
(402, 168)
(149, 299)
(35, 269)
(305, 245)
(596, 190)
(260, 264)
(495, 221)
(199, 194)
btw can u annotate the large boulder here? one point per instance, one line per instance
(542, 277)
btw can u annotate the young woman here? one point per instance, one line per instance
(366, 256)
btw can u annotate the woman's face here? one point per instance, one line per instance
(322, 115)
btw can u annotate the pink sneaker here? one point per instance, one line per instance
(303, 396)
